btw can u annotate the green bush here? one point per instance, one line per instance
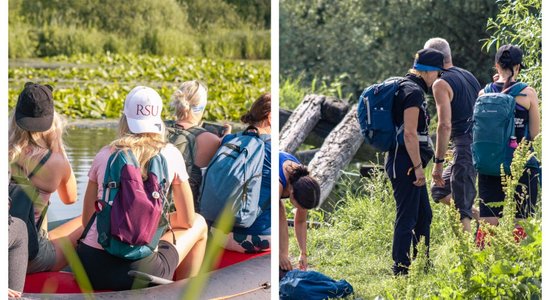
(61, 40)
(22, 40)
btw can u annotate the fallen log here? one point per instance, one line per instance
(301, 123)
(336, 152)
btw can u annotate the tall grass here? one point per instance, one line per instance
(357, 247)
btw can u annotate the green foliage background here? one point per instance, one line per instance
(211, 28)
(371, 40)
(95, 86)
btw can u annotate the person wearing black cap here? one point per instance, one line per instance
(405, 165)
(36, 152)
(455, 94)
(509, 63)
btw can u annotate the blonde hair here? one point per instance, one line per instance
(143, 145)
(189, 94)
(34, 145)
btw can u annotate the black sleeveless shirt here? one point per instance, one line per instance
(465, 89)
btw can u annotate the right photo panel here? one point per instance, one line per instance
(410, 149)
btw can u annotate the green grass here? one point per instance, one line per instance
(356, 246)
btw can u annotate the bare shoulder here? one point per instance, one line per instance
(208, 138)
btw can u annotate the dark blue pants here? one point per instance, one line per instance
(414, 214)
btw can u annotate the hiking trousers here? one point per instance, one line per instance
(414, 214)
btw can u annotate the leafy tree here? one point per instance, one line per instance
(370, 40)
(519, 22)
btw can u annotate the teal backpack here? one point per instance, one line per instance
(233, 177)
(132, 213)
(492, 127)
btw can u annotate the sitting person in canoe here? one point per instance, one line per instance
(142, 167)
(39, 167)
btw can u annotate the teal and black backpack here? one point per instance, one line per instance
(492, 128)
(132, 214)
(233, 177)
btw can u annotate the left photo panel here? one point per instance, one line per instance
(139, 149)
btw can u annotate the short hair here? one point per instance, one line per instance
(442, 45)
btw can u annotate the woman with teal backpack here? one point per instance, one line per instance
(508, 63)
(180, 251)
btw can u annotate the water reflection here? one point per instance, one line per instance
(82, 146)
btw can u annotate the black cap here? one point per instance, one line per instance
(509, 56)
(428, 60)
(34, 110)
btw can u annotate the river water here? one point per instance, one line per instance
(82, 144)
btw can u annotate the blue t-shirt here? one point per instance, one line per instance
(284, 156)
(262, 225)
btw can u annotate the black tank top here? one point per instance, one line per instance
(521, 115)
(465, 89)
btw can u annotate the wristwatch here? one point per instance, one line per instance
(439, 160)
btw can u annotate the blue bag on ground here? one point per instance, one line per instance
(374, 113)
(302, 285)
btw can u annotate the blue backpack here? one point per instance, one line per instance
(233, 177)
(492, 127)
(132, 213)
(374, 113)
(299, 285)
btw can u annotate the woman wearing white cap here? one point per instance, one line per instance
(141, 130)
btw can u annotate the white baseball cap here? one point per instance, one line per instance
(143, 108)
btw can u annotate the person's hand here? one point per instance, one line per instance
(14, 294)
(302, 263)
(437, 175)
(420, 177)
(284, 263)
(226, 129)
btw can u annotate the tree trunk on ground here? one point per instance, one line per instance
(336, 153)
(301, 123)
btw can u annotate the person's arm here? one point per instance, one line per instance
(534, 116)
(443, 95)
(67, 186)
(206, 144)
(184, 216)
(284, 262)
(88, 207)
(410, 119)
(300, 228)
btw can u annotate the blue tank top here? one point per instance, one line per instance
(284, 156)
(465, 90)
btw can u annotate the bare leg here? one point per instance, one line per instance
(70, 231)
(191, 246)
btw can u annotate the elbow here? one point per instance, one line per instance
(410, 136)
(444, 128)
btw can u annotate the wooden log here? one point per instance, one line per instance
(317, 136)
(333, 110)
(336, 153)
(301, 123)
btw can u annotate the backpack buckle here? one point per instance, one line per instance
(113, 185)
